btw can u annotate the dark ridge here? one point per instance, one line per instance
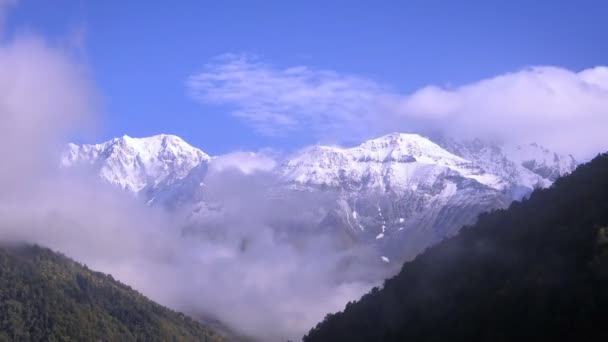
(535, 271)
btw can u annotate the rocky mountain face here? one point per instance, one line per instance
(399, 193)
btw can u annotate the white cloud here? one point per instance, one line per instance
(245, 162)
(563, 109)
(44, 96)
(276, 101)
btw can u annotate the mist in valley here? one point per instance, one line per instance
(236, 267)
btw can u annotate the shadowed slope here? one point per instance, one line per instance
(538, 270)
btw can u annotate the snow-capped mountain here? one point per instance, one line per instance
(395, 162)
(540, 160)
(404, 192)
(521, 168)
(137, 163)
(399, 193)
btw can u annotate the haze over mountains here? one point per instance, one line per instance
(399, 193)
(262, 245)
(321, 225)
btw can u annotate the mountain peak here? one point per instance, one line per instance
(154, 143)
(394, 139)
(401, 158)
(134, 163)
(395, 161)
(399, 145)
(401, 136)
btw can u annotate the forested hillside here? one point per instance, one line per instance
(535, 271)
(45, 296)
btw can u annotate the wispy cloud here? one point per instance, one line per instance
(563, 109)
(276, 101)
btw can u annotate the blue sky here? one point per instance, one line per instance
(143, 53)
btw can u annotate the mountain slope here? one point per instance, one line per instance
(47, 297)
(537, 271)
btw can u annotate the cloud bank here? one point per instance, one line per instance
(562, 109)
(44, 95)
